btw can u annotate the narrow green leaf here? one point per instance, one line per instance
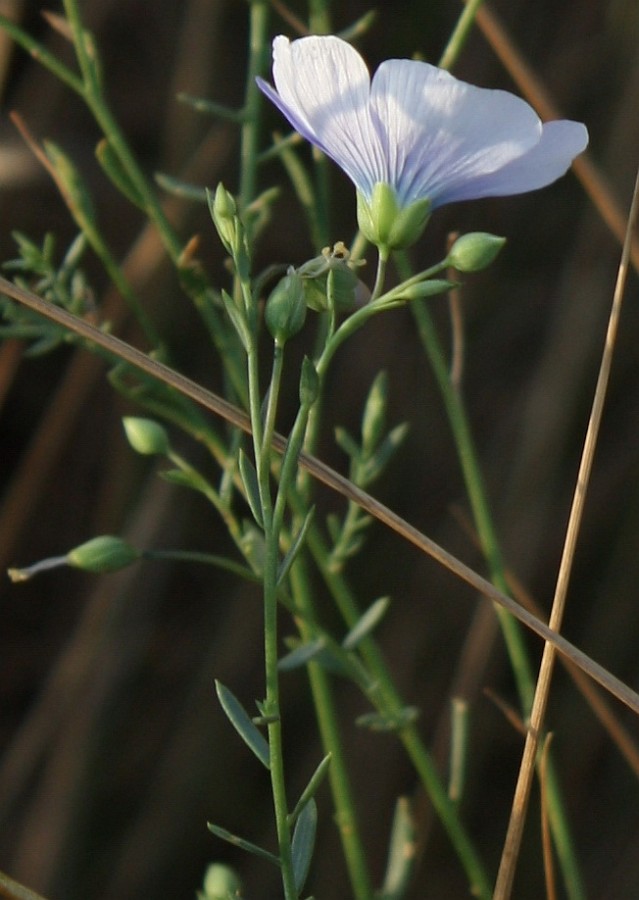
(303, 843)
(374, 416)
(238, 319)
(311, 789)
(388, 721)
(210, 108)
(179, 188)
(372, 467)
(347, 443)
(295, 547)
(366, 623)
(113, 168)
(251, 487)
(401, 852)
(177, 476)
(301, 655)
(243, 844)
(241, 721)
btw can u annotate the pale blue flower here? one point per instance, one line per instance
(414, 127)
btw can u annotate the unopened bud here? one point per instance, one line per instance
(221, 883)
(223, 209)
(146, 436)
(474, 251)
(102, 554)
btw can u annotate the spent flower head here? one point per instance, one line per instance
(414, 137)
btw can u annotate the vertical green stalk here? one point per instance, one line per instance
(460, 34)
(388, 700)
(513, 636)
(258, 29)
(323, 702)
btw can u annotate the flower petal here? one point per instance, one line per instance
(560, 143)
(438, 132)
(323, 90)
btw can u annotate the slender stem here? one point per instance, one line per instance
(378, 287)
(389, 702)
(460, 34)
(323, 702)
(271, 408)
(270, 594)
(94, 98)
(513, 635)
(258, 25)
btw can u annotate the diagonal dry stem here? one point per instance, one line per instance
(117, 348)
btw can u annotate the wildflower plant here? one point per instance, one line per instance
(411, 139)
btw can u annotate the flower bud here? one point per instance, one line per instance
(285, 311)
(387, 225)
(221, 883)
(474, 251)
(223, 209)
(102, 554)
(146, 436)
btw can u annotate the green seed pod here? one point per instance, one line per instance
(146, 436)
(102, 554)
(285, 311)
(474, 251)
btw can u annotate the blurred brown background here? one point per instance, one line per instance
(114, 753)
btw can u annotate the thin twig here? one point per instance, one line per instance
(323, 473)
(506, 874)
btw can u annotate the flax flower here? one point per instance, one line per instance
(414, 137)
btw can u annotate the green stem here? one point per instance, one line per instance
(258, 26)
(380, 277)
(513, 635)
(207, 559)
(460, 34)
(92, 93)
(388, 701)
(271, 410)
(323, 702)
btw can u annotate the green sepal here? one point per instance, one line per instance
(387, 225)
(243, 724)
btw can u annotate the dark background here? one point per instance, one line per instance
(114, 751)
